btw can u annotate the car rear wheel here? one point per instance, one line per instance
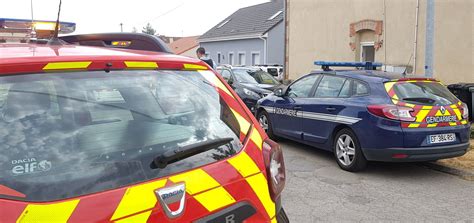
(264, 121)
(347, 151)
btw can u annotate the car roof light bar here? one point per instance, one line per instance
(26, 25)
(325, 65)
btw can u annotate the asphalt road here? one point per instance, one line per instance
(318, 191)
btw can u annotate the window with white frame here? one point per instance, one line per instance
(231, 58)
(241, 58)
(255, 58)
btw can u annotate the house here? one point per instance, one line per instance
(168, 39)
(185, 46)
(252, 35)
(393, 32)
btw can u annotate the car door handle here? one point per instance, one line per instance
(297, 107)
(331, 109)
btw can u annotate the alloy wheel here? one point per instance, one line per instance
(345, 150)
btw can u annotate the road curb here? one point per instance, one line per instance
(450, 170)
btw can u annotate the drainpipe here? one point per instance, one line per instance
(430, 28)
(385, 35)
(416, 35)
(264, 38)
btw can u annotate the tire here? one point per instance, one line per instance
(347, 151)
(264, 121)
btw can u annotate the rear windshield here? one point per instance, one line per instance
(263, 77)
(68, 134)
(243, 76)
(424, 93)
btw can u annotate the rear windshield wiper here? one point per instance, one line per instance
(421, 100)
(172, 156)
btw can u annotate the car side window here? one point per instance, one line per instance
(226, 75)
(346, 89)
(329, 87)
(360, 88)
(302, 88)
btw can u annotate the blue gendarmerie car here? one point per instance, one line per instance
(368, 115)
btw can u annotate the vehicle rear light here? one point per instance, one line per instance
(399, 156)
(464, 111)
(275, 167)
(392, 112)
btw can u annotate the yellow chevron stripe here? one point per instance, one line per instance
(194, 67)
(420, 117)
(413, 125)
(432, 125)
(244, 164)
(458, 113)
(139, 218)
(138, 198)
(410, 105)
(212, 78)
(256, 138)
(259, 185)
(464, 122)
(244, 124)
(140, 64)
(196, 181)
(67, 65)
(215, 199)
(389, 86)
(58, 212)
(274, 220)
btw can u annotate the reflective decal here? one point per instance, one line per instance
(439, 119)
(140, 64)
(66, 65)
(287, 112)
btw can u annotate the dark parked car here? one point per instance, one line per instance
(368, 115)
(245, 81)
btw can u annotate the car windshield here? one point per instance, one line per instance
(263, 77)
(243, 76)
(426, 93)
(70, 134)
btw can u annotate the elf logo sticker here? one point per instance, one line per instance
(29, 166)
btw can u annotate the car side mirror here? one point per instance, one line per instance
(279, 92)
(230, 81)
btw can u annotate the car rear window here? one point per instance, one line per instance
(424, 93)
(263, 77)
(64, 135)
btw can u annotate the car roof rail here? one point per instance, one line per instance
(325, 65)
(132, 41)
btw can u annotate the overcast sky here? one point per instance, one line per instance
(169, 17)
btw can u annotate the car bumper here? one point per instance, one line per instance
(251, 104)
(416, 154)
(282, 217)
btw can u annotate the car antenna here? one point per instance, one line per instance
(406, 67)
(55, 40)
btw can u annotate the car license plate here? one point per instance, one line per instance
(441, 138)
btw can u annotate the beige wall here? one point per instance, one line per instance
(319, 30)
(190, 53)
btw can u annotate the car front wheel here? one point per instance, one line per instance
(347, 151)
(264, 121)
